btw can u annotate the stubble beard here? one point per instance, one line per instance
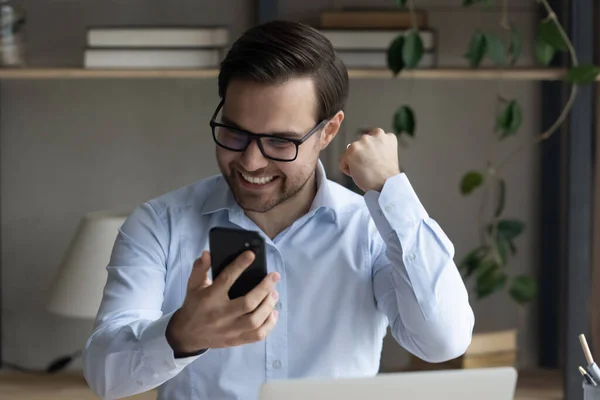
(260, 203)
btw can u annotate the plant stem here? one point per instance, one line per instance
(568, 105)
(504, 20)
(413, 15)
(492, 172)
(480, 218)
(494, 227)
(552, 16)
(548, 133)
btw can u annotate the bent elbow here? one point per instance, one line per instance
(449, 344)
(452, 349)
(446, 350)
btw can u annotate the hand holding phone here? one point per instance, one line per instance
(209, 318)
(226, 244)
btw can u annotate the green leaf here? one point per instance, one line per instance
(523, 289)
(477, 49)
(473, 260)
(501, 197)
(510, 119)
(487, 3)
(413, 48)
(470, 182)
(513, 247)
(400, 3)
(404, 121)
(549, 33)
(501, 243)
(502, 247)
(583, 74)
(394, 55)
(510, 228)
(490, 280)
(506, 231)
(544, 53)
(516, 45)
(495, 49)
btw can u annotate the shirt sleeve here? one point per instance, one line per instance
(415, 280)
(128, 352)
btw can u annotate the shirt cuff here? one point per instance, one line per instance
(396, 206)
(156, 350)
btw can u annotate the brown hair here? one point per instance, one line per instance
(273, 52)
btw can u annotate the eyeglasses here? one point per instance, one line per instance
(274, 147)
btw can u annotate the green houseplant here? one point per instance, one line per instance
(485, 264)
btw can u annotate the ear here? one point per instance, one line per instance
(331, 129)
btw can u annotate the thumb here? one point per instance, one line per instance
(199, 277)
(344, 163)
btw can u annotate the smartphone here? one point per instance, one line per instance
(228, 243)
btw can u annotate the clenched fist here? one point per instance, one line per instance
(371, 160)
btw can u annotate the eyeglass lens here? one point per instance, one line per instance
(278, 148)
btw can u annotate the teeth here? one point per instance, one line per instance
(260, 181)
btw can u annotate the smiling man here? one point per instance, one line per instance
(342, 267)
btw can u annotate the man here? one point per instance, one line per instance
(342, 267)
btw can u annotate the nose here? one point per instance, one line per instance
(252, 159)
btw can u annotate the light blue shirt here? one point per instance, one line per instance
(349, 268)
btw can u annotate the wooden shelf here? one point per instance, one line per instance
(82, 73)
(527, 74)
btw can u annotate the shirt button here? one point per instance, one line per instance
(278, 306)
(140, 383)
(389, 207)
(276, 364)
(412, 257)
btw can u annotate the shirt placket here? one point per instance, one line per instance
(276, 342)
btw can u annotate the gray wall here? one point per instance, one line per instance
(73, 146)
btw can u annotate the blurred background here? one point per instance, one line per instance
(82, 132)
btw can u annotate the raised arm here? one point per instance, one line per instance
(415, 280)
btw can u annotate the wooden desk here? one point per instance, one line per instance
(60, 386)
(539, 385)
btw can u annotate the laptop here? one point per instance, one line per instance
(496, 383)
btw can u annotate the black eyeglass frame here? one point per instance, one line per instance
(256, 136)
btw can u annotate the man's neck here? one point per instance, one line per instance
(283, 215)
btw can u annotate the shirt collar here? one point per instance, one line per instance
(221, 198)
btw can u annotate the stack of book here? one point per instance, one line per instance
(361, 37)
(489, 349)
(155, 47)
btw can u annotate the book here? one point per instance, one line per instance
(372, 19)
(498, 359)
(152, 58)
(157, 37)
(371, 39)
(377, 59)
(492, 342)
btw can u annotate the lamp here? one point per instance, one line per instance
(78, 286)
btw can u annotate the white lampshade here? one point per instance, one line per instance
(79, 284)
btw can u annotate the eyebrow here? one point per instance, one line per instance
(288, 134)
